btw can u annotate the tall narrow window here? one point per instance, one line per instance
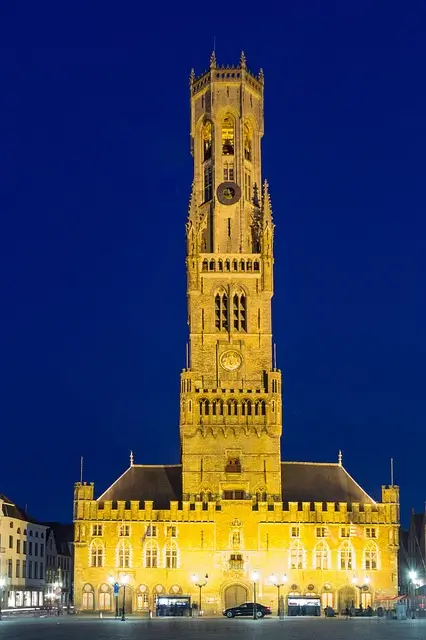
(240, 312)
(124, 561)
(346, 557)
(370, 557)
(321, 554)
(247, 142)
(221, 311)
(171, 556)
(247, 186)
(151, 555)
(296, 559)
(208, 183)
(96, 554)
(228, 136)
(207, 140)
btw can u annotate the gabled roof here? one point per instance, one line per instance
(320, 482)
(160, 483)
(301, 482)
(63, 535)
(11, 510)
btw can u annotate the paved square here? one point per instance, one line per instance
(211, 629)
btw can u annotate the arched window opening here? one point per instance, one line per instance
(205, 265)
(96, 554)
(296, 556)
(240, 312)
(249, 408)
(263, 408)
(220, 265)
(256, 265)
(370, 557)
(171, 556)
(212, 265)
(124, 554)
(207, 140)
(235, 265)
(242, 265)
(228, 136)
(221, 311)
(346, 557)
(151, 555)
(227, 265)
(208, 183)
(232, 408)
(321, 556)
(233, 465)
(214, 408)
(220, 407)
(249, 265)
(105, 598)
(247, 142)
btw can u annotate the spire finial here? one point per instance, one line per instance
(340, 457)
(131, 458)
(192, 76)
(261, 76)
(213, 60)
(243, 61)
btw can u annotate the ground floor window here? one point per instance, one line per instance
(105, 601)
(88, 600)
(143, 602)
(327, 600)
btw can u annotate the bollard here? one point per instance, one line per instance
(100, 614)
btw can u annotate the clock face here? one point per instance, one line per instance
(228, 193)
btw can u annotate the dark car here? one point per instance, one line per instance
(246, 609)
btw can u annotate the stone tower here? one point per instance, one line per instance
(231, 416)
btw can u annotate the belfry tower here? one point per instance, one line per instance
(231, 413)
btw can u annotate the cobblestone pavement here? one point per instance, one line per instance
(76, 628)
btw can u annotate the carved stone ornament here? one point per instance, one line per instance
(231, 360)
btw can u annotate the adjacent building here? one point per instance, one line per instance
(412, 556)
(59, 563)
(232, 516)
(22, 557)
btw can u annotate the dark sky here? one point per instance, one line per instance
(95, 178)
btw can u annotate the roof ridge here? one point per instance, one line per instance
(358, 485)
(156, 466)
(319, 464)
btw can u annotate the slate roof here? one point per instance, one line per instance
(11, 510)
(320, 482)
(160, 483)
(301, 482)
(64, 536)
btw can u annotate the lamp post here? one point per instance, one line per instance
(124, 581)
(116, 586)
(361, 586)
(200, 584)
(2, 586)
(279, 583)
(414, 583)
(254, 577)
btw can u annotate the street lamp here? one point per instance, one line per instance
(200, 584)
(2, 586)
(124, 580)
(279, 583)
(254, 577)
(115, 585)
(414, 582)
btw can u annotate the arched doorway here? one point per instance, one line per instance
(234, 595)
(347, 598)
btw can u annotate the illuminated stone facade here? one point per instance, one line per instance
(232, 507)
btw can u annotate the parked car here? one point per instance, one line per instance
(246, 609)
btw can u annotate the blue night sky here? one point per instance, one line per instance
(95, 175)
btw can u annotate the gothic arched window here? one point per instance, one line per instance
(207, 140)
(123, 554)
(151, 555)
(232, 408)
(221, 311)
(247, 142)
(240, 312)
(321, 555)
(171, 556)
(96, 554)
(371, 556)
(228, 135)
(296, 555)
(346, 556)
